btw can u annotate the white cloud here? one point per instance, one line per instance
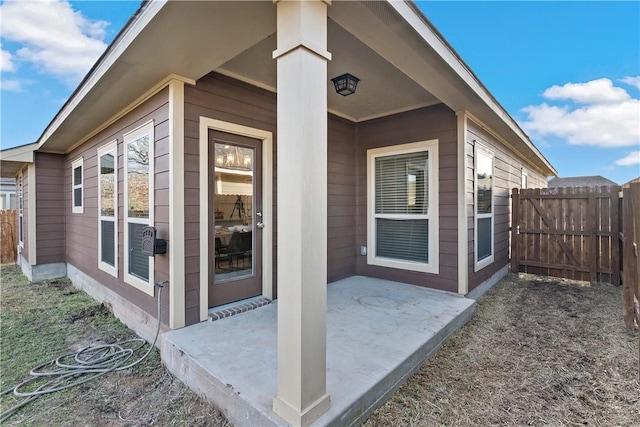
(58, 40)
(631, 159)
(11, 85)
(631, 81)
(599, 91)
(610, 117)
(6, 62)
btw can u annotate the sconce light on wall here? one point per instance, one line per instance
(345, 84)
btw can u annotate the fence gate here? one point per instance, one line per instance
(571, 233)
(8, 236)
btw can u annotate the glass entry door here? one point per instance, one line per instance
(235, 191)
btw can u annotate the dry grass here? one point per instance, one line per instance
(538, 352)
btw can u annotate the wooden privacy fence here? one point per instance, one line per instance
(571, 233)
(630, 239)
(8, 236)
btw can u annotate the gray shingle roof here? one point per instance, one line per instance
(580, 181)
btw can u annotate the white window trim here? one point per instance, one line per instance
(433, 265)
(111, 147)
(524, 177)
(20, 206)
(74, 165)
(136, 282)
(479, 265)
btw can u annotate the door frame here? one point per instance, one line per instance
(266, 137)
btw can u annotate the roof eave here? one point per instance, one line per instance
(476, 85)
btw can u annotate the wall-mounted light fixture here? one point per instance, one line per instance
(345, 84)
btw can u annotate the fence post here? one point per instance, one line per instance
(627, 260)
(515, 220)
(592, 208)
(615, 235)
(635, 239)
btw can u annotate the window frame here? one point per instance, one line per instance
(129, 137)
(111, 147)
(481, 150)
(77, 163)
(524, 179)
(432, 266)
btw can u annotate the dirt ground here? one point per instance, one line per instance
(537, 352)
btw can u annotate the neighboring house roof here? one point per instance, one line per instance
(402, 60)
(628, 183)
(580, 181)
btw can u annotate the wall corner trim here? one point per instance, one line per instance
(31, 210)
(463, 231)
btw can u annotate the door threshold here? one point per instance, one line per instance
(237, 307)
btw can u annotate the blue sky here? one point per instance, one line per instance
(568, 72)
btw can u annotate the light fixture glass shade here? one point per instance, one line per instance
(345, 84)
(233, 157)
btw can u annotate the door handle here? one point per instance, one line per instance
(260, 225)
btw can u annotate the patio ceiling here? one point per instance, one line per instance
(402, 61)
(382, 90)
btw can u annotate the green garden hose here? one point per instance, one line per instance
(77, 368)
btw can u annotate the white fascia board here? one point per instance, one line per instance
(414, 17)
(23, 153)
(129, 34)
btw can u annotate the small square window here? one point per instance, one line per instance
(77, 188)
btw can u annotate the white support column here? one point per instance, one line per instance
(302, 210)
(177, 305)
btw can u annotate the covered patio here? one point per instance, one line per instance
(378, 332)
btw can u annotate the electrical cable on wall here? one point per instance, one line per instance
(74, 369)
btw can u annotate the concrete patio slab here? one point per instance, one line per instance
(378, 333)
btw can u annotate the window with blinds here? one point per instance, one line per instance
(483, 208)
(401, 206)
(138, 205)
(107, 209)
(76, 183)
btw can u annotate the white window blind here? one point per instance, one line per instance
(402, 206)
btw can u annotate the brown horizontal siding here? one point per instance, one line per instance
(82, 229)
(507, 175)
(436, 122)
(341, 200)
(50, 208)
(222, 98)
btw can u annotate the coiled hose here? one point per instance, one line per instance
(74, 369)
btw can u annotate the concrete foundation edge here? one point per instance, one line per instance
(485, 286)
(381, 392)
(224, 396)
(136, 319)
(38, 273)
